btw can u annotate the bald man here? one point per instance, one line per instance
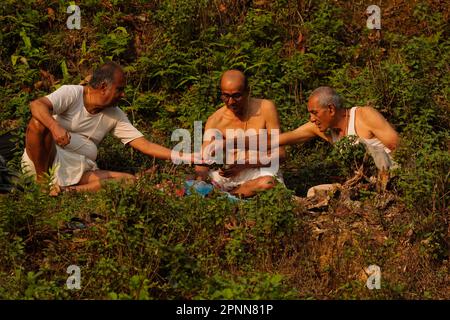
(240, 111)
(366, 123)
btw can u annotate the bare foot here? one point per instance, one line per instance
(55, 190)
(149, 172)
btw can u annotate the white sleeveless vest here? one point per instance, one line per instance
(380, 153)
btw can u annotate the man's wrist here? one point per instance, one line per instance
(52, 125)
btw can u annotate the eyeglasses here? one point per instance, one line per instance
(236, 96)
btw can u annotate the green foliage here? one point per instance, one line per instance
(152, 246)
(255, 286)
(148, 245)
(348, 155)
(424, 171)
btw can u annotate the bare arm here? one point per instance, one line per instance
(155, 150)
(380, 127)
(273, 123)
(202, 171)
(303, 133)
(151, 149)
(41, 109)
(252, 160)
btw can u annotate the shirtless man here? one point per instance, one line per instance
(67, 126)
(326, 112)
(242, 112)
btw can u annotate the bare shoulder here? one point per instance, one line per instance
(214, 119)
(267, 105)
(368, 112)
(268, 108)
(370, 116)
(379, 126)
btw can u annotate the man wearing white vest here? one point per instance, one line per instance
(366, 123)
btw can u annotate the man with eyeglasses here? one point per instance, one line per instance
(242, 113)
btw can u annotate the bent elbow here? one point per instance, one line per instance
(36, 107)
(32, 106)
(394, 144)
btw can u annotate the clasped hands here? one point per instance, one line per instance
(60, 135)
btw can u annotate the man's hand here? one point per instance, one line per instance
(42, 109)
(202, 173)
(190, 158)
(232, 170)
(197, 158)
(60, 135)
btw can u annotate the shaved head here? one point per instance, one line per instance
(234, 91)
(234, 78)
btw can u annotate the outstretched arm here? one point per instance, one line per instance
(302, 134)
(156, 150)
(273, 123)
(202, 171)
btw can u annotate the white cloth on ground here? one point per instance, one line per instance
(228, 184)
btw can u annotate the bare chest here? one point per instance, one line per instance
(226, 124)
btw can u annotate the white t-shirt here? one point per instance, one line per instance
(86, 131)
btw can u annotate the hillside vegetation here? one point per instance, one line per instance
(138, 242)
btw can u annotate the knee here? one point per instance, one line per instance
(35, 126)
(265, 183)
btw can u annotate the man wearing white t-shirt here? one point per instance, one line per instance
(67, 126)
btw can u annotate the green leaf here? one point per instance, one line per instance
(26, 39)
(83, 48)
(64, 69)
(122, 29)
(14, 59)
